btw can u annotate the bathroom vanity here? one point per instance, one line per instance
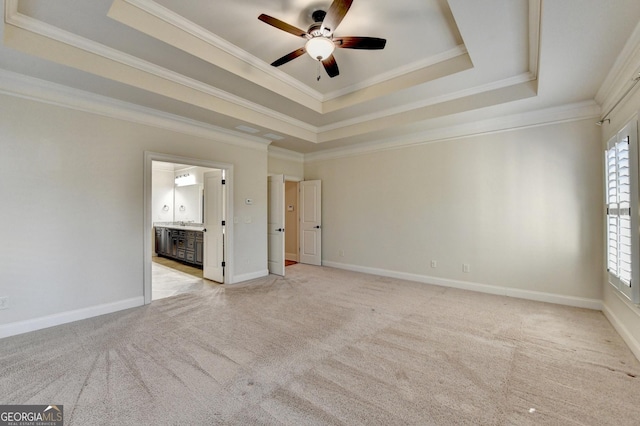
(184, 243)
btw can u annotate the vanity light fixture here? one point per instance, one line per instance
(185, 179)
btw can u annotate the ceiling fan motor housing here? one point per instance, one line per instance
(314, 30)
(318, 15)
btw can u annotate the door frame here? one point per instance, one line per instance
(288, 178)
(297, 217)
(149, 158)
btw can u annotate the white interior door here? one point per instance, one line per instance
(213, 258)
(311, 222)
(276, 224)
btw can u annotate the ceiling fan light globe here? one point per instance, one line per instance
(319, 48)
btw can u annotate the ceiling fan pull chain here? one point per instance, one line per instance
(318, 78)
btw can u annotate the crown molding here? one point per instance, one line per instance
(14, 84)
(476, 90)
(269, 77)
(19, 85)
(535, 22)
(624, 69)
(24, 22)
(293, 126)
(399, 72)
(247, 109)
(285, 154)
(542, 117)
(178, 21)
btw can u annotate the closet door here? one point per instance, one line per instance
(311, 222)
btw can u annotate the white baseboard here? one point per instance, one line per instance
(628, 338)
(34, 324)
(250, 276)
(559, 299)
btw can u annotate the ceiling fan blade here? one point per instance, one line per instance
(331, 66)
(291, 56)
(368, 43)
(335, 14)
(274, 22)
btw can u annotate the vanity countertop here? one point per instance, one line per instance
(187, 226)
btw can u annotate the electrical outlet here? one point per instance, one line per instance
(4, 303)
(434, 263)
(341, 253)
(466, 267)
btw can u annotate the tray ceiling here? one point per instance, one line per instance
(209, 62)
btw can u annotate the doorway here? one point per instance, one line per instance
(178, 199)
(297, 202)
(291, 222)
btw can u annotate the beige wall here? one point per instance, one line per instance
(624, 315)
(280, 166)
(72, 197)
(523, 208)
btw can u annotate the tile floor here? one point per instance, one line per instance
(170, 278)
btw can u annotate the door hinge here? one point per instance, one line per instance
(224, 222)
(224, 264)
(224, 181)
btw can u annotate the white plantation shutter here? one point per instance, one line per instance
(622, 199)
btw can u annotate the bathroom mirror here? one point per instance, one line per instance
(188, 203)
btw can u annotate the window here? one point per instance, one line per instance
(621, 192)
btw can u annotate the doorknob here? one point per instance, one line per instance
(280, 230)
(317, 227)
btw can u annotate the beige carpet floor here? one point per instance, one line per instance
(324, 346)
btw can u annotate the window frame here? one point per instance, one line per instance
(615, 211)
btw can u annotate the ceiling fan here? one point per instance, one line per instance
(320, 40)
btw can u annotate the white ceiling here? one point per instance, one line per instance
(446, 63)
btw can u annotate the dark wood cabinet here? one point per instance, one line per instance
(159, 241)
(199, 248)
(163, 242)
(185, 246)
(167, 243)
(174, 242)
